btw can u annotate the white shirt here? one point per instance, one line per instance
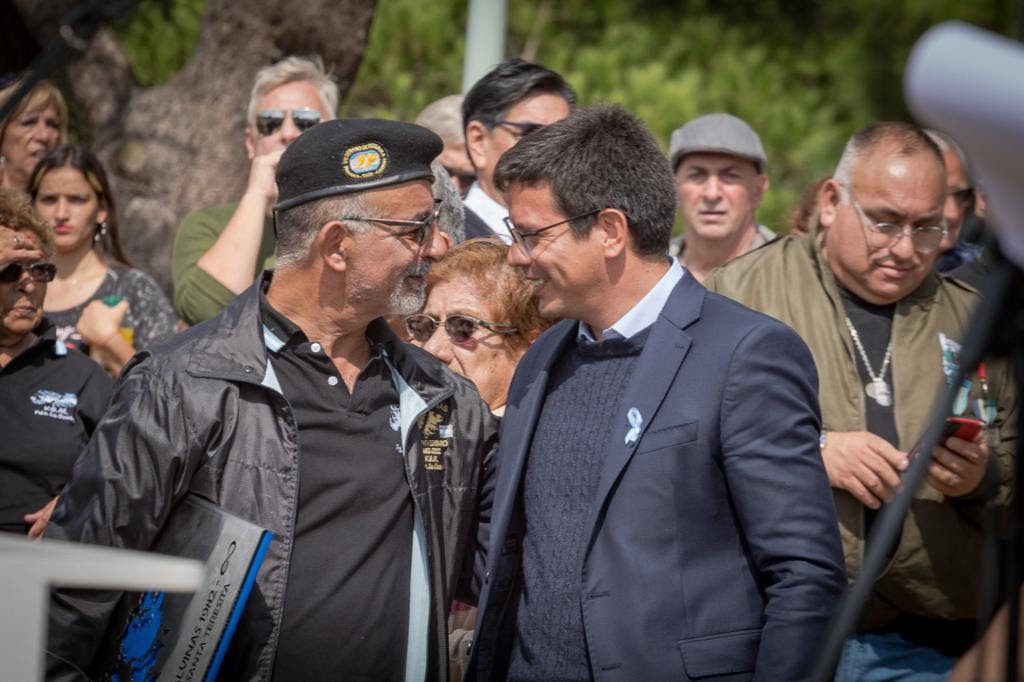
(647, 309)
(489, 210)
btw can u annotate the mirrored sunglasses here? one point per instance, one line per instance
(268, 121)
(460, 328)
(39, 272)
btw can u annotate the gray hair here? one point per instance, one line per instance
(297, 227)
(452, 218)
(906, 137)
(946, 143)
(294, 69)
(444, 117)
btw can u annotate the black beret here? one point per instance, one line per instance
(351, 155)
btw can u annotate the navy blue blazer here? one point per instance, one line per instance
(713, 547)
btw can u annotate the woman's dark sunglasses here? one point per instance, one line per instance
(40, 272)
(267, 122)
(460, 328)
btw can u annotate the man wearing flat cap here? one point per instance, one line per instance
(298, 409)
(719, 163)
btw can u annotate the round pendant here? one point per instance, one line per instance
(879, 391)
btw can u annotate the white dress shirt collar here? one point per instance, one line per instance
(646, 311)
(489, 210)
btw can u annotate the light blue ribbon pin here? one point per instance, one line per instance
(635, 422)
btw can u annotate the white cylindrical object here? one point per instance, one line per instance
(969, 83)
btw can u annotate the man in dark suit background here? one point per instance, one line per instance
(514, 99)
(661, 509)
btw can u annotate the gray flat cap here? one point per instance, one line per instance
(717, 133)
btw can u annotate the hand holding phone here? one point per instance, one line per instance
(964, 428)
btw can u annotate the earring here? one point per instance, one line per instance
(101, 232)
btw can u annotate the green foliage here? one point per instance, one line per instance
(413, 56)
(159, 37)
(804, 73)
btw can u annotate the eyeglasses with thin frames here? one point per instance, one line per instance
(39, 272)
(419, 228)
(882, 235)
(527, 239)
(520, 129)
(459, 328)
(268, 121)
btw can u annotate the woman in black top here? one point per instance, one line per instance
(52, 396)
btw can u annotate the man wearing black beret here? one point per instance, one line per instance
(298, 409)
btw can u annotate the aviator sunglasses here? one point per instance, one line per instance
(460, 328)
(39, 272)
(268, 121)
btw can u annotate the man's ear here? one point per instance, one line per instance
(615, 237)
(332, 245)
(829, 197)
(761, 187)
(250, 142)
(476, 138)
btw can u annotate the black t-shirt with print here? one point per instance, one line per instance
(52, 400)
(874, 327)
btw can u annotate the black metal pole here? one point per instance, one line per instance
(1013, 572)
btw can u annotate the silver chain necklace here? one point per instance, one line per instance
(877, 389)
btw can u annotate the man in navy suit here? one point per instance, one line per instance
(661, 510)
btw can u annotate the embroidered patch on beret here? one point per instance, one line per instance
(365, 161)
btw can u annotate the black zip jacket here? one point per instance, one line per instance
(201, 414)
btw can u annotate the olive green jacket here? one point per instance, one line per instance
(936, 569)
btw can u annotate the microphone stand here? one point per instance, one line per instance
(995, 328)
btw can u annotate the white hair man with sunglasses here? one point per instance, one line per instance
(220, 250)
(885, 331)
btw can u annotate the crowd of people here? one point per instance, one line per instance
(462, 364)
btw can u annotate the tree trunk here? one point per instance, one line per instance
(178, 147)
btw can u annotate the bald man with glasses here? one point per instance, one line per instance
(885, 331)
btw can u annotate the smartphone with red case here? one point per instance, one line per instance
(964, 428)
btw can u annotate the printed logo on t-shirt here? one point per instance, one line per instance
(395, 418)
(69, 336)
(55, 405)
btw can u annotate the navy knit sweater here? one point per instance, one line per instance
(562, 473)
